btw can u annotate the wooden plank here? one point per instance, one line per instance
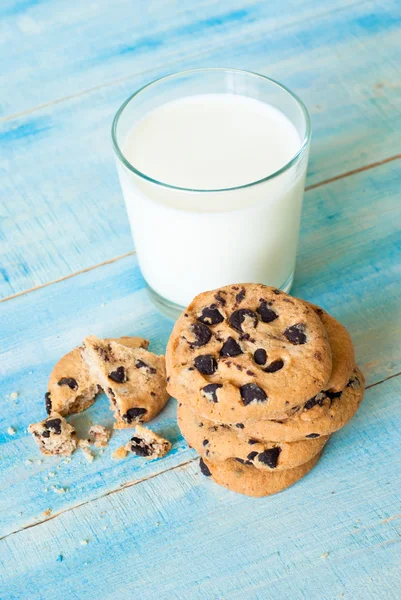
(53, 51)
(349, 262)
(334, 534)
(63, 211)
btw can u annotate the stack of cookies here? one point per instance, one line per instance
(262, 379)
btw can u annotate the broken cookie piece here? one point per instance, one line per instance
(100, 435)
(147, 443)
(54, 436)
(71, 388)
(133, 379)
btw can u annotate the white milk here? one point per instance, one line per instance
(191, 241)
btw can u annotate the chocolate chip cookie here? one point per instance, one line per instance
(322, 415)
(218, 442)
(246, 479)
(71, 388)
(54, 436)
(133, 379)
(342, 348)
(247, 352)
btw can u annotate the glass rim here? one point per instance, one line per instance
(285, 167)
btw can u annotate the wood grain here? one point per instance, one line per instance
(334, 534)
(349, 262)
(54, 50)
(63, 211)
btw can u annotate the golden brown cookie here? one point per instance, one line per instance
(322, 415)
(221, 442)
(342, 349)
(133, 379)
(54, 436)
(71, 389)
(247, 352)
(248, 480)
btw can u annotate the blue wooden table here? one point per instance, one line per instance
(133, 529)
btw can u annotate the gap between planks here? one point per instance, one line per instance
(138, 481)
(119, 489)
(133, 252)
(113, 82)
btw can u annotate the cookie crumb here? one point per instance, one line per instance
(11, 430)
(120, 453)
(47, 512)
(147, 444)
(59, 490)
(28, 461)
(84, 542)
(13, 395)
(88, 455)
(84, 444)
(325, 555)
(100, 435)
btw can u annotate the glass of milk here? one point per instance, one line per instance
(212, 166)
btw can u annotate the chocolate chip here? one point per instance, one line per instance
(230, 348)
(118, 375)
(140, 364)
(296, 334)
(333, 395)
(211, 315)
(277, 292)
(220, 298)
(54, 425)
(270, 456)
(70, 381)
(202, 335)
(205, 442)
(240, 296)
(238, 317)
(46, 434)
(260, 356)
(313, 435)
(250, 373)
(252, 455)
(206, 364)
(139, 447)
(250, 392)
(266, 314)
(316, 400)
(153, 394)
(110, 391)
(252, 441)
(240, 425)
(274, 366)
(354, 383)
(48, 403)
(134, 414)
(210, 390)
(204, 469)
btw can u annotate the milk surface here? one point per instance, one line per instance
(212, 141)
(191, 241)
